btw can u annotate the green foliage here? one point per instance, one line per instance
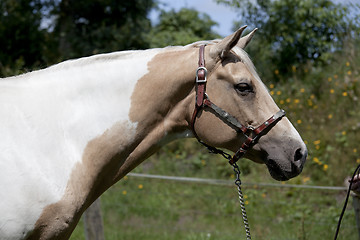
(37, 33)
(181, 28)
(323, 103)
(294, 31)
(89, 27)
(21, 38)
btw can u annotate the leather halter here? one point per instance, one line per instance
(202, 100)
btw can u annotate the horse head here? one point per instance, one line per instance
(235, 87)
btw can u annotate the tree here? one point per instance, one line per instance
(294, 32)
(21, 38)
(182, 27)
(88, 27)
(38, 33)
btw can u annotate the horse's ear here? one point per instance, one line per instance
(225, 45)
(244, 41)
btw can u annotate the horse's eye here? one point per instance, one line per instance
(243, 88)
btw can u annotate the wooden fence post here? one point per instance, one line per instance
(356, 205)
(94, 229)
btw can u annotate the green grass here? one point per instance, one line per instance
(171, 210)
(139, 208)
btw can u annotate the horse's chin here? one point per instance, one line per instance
(277, 168)
(276, 173)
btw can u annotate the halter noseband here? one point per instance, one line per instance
(202, 100)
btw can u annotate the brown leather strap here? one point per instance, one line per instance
(257, 133)
(201, 78)
(200, 81)
(270, 122)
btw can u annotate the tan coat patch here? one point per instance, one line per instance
(89, 179)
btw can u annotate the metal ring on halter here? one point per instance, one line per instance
(197, 75)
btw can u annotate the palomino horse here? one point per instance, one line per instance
(70, 131)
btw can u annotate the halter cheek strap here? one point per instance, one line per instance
(202, 100)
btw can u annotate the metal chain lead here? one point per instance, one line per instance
(237, 183)
(241, 199)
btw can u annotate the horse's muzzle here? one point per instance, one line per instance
(281, 172)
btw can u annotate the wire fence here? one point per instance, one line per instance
(231, 183)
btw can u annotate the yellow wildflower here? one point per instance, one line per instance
(355, 150)
(140, 186)
(299, 121)
(325, 167)
(335, 76)
(332, 91)
(358, 160)
(329, 79)
(302, 90)
(278, 93)
(344, 94)
(124, 192)
(288, 100)
(330, 116)
(271, 86)
(246, 202)
(276, 72)
(263, 195)
(347, 64)
(316, 160)
(282, 101)
(296, 101)
(343, 133)
(305, 179)
(271, 93)
(317, 142)
(293, 68)
(317, 147)
(349, 72)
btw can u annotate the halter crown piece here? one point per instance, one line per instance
(202, 101)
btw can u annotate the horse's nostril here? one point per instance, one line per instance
(298, 155)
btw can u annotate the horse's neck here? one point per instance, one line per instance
(160, 103)
(116, 112)
(146, 109)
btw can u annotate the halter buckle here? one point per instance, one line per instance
(197, 75)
